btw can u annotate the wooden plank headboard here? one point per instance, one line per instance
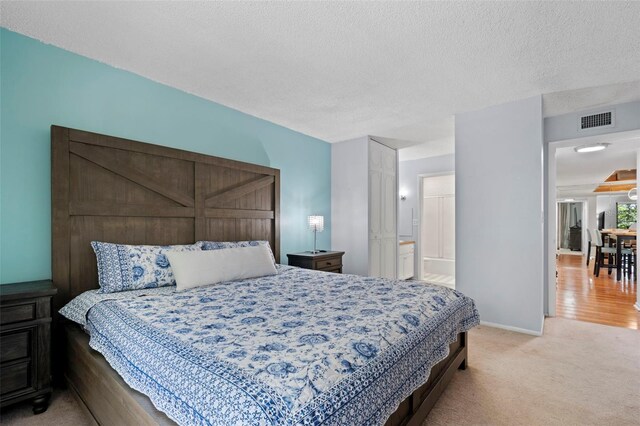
(116, 190)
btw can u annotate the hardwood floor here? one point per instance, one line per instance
(603, 300)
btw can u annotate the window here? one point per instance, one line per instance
(626, 214)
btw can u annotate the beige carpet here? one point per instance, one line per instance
(63, 411)
(576, 374)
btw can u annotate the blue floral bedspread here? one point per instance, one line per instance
(300, 347)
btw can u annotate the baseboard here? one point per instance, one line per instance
(516, 329)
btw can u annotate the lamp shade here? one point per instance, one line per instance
(316, 223)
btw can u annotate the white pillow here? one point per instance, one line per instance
(198, 268)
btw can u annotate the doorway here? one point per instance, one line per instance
(570, 220)
(583, 193)
(436, 245)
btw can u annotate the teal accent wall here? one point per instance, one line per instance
(43, 85)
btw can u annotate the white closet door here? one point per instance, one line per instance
(388, 263)
(375, 257)
(383, 237)
(375, 156)
(375, 210)
(375, 204)
(448, 220)
(389, 207)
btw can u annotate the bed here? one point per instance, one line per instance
(332, 357)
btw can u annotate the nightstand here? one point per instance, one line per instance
(328, 261)
(25, 343)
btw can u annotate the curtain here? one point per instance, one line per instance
(564, 218)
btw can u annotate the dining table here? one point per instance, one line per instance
(620, 236)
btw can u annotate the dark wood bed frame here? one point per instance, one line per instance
(111, 189)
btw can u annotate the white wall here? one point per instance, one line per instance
(565, 126)
(350, 203)
(499, 211)
(607, 204)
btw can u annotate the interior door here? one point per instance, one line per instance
(389, 208)
(375, 255)
(383, 237)
(375, 203)
(375, 210)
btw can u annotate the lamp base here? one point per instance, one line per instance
(315, 251)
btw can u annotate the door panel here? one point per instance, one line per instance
(388, 260)
(375, 156)
(382, 211)
(388, 161)
(389, 204)
(375, 202)
(375, 258)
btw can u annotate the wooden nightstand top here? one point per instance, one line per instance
(320, 255)
(328, 261)
(27, 290)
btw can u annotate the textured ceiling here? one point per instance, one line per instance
(568, 101)
(345, 69)
(578, 174)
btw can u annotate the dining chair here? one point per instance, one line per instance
(632, 258)
(629, 257)
(589, 242)
(603, 252)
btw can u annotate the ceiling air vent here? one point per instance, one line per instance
(602, 119)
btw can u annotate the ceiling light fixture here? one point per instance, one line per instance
(591, 147)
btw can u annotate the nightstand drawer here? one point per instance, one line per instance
(18, 313)
(335, 269)
(15, 377)
(15, 345)
(327, 263)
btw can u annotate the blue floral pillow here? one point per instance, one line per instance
(124, 267)
(217, 245)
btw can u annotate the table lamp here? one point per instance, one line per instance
(316, 224)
